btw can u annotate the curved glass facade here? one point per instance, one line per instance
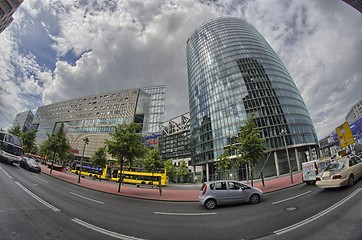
(234, 73)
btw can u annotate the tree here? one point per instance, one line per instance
(57, 145)
(250, 147)
(183, 171)
(224, 162)
(170, 169)
(28, 138)
(62, 146)
(99, 158)
(152, 161)
(15, 130)
(125, 145)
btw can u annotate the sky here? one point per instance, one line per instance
(56, 50)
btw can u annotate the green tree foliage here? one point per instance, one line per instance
(56, 146)
(183, 171)
(224, 162)
(15, 130)
(170, 169)
(28, 138)
(152, 161)
(29, 145)
(251, 146)
(125, 145)
(99, 158)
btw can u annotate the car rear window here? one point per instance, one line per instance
(335, 166)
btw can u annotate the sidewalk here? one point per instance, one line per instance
(176, 192)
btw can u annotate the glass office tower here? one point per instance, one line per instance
(233, 73)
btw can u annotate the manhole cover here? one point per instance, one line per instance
(291, 208)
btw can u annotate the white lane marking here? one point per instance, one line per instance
(287, 199)
(38, 198)
(40, 179)
(185, 214)
(104, 231)
(90, 199)
(6, 173)
(318, 215)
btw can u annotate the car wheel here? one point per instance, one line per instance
(255, 198)
(350, 181)
(27, 167)
(210, 204)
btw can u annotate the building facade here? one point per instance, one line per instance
(24, 120)
(7, 9)
(356, 4)
(97, 115)
(174, 144)
(355, 113)
(233, 74)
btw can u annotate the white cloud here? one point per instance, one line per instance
(103, 45)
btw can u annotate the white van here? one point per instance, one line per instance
(311, 169)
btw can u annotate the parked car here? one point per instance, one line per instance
(227, 192)
(30, 164)
(342, 172)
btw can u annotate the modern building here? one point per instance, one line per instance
(24, 120)
(233, 73)
(356, 4)
(174, 143)
(7, 9)
(355, 113)
(97, 115)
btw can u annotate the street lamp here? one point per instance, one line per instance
(86, 141)
(283, 133)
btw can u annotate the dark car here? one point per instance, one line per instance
(30, 164)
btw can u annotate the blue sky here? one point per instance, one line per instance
(58, 50)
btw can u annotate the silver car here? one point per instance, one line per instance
(227, 192)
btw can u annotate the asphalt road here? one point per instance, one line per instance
(37, 206)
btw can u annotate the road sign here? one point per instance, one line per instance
(345, 135)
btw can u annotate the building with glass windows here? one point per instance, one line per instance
(7, 9)
(24, 120)
(96, 116)
(233, 73)
(355, 113)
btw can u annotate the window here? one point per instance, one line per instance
(220, 186)
(234, 185)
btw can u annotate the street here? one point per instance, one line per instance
(37, 206)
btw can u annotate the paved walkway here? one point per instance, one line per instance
(174, 192)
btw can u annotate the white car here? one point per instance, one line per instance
(227, 192)
(342, 172)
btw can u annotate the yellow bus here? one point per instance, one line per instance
(87, 169)
(135, 176)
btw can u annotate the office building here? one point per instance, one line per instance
(24, 120)
(96, 116)
(7, 9)
(356, 4)
(174, 141)
(233, 73)
(355, 113)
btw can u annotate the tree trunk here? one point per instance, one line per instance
(120, 181)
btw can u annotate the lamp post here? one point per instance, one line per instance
(283, 133)
(86, 141)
